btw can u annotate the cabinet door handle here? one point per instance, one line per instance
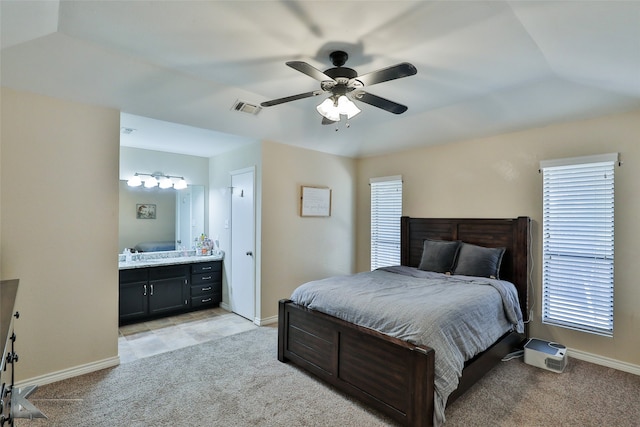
(207, 288)
(206, 278)
(145, 290)
(151, 289)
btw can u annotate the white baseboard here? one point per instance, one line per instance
(70, 372)
(604, 361)
(258, 321)
(266, 321)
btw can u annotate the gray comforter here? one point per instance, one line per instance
(457, 316)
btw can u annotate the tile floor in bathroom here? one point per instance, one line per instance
(144, 339)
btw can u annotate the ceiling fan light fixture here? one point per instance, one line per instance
(332, 108)
(347, 107)
(329, 109)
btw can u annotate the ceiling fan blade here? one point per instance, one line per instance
(391, 73)
(291, 98)
(377, 101)
(309, 70)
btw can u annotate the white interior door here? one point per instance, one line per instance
(242, 283)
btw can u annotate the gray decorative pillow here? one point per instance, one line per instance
(479, 261)
(439, 255)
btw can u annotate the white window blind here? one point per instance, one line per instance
(386, 210)
(577, 243)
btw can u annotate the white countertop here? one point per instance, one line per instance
(122, 265)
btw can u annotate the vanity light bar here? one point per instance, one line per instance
(157, 179)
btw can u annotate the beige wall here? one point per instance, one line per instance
(498, 177)
(290, 250)
(59, 176)
(297, 249)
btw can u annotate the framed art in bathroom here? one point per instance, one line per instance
(145, 211)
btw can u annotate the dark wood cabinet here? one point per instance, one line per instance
(133, 301)
(206, 284)
(134, 290)
(151, 292)
(168, 289)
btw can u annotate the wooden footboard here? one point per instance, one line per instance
(390, 375)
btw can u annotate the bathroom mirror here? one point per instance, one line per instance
(155, 219)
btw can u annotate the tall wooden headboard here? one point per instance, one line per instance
(511, 234)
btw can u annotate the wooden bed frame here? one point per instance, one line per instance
(390, 375)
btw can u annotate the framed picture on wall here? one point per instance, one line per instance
(315, 201)
(145, 211)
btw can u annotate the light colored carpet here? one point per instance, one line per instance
(517, 394)
(232, 381)
(237, 381)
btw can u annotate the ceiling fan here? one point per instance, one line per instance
(344, 84)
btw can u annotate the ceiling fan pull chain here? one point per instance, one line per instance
(346, 124)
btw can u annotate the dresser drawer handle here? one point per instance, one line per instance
(206, 268)
(206, 300)
(207, 288)
(207, 278)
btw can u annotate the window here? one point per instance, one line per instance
(386, 210)
(577, 243)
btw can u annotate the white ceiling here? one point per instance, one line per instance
(484, 67)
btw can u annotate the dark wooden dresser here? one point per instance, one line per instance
(13, 400)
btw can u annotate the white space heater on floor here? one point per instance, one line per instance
(546, 355)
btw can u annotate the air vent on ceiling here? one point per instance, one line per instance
(127, 131)
(245, 107)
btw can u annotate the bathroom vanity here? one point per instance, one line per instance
(154, 286)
